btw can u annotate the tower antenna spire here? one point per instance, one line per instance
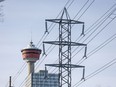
(31, 36)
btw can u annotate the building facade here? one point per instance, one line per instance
(42, 79)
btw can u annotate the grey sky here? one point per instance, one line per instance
(21, 17)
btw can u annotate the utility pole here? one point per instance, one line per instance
(65, 65)
(10, 81)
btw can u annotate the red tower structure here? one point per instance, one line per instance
(31, 54)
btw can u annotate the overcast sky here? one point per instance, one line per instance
(21, 17)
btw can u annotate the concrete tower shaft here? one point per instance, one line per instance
(31, 54)
(30, 67)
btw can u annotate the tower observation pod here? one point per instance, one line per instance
(31, 54)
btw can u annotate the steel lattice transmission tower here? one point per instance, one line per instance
(65, 66)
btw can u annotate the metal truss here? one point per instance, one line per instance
(65, 66)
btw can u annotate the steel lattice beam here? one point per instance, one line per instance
(64, 43)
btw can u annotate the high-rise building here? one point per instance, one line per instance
(42, 79)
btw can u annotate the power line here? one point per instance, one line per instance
(102, 20)
(95, 36)
(97, 49)
(94, 51)
(90, 4)
(19, 72)
(97, 22)
(83, 7)
(104, 67)
(96, 33)
(75, 16)
(81, 60)
(43, 38)
(23, 83)
(102, 45)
